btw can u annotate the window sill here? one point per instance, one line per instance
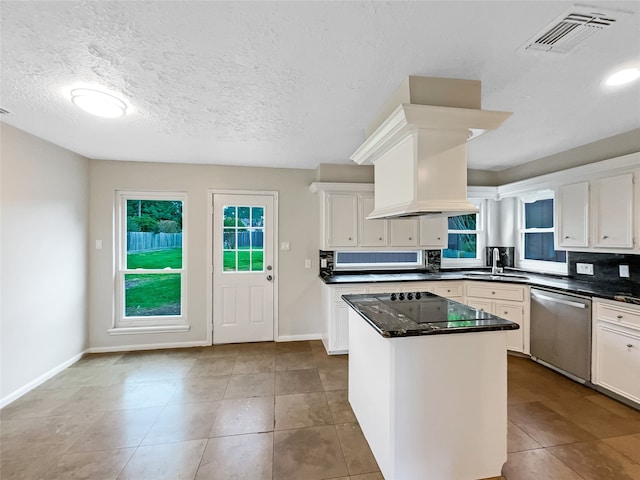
(148, 329)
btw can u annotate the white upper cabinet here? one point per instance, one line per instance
(572, 215)
(342, 220)
(404, 232)
(612, 200)
(433, 232)
(373, 233)
(597, 206)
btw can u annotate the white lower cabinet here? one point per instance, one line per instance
(501, 299)
(616, 348)
(336, 311)
(506, 301)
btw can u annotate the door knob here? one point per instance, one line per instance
(269, 278)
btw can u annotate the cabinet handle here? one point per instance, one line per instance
(349, 238)
(438, 238)
(604, 237)
(505, 313)
(629, 345)
(493, 293)
(618, 317)
(379, 238)
(567, 236)
(410, 238)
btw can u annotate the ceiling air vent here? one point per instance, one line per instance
(572, 28)
(3, 111)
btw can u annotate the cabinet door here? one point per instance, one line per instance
(342, 220)
(572, 215)
(618, 361)
(479, 304)
(515, 313)
(404, 232)
(451, 290)
(340, 341)
(373, 233)
(433, 232)
(613, 210)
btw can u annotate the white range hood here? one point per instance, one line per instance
(419, 150)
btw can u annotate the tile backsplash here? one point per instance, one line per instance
(606, 267)
(506, 259)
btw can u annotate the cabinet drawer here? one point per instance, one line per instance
(629, 317)
(337, 292)
(498, 291)
(449, 290)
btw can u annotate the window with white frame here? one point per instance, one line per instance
(151, 273)
(536, 238)
(466, 240)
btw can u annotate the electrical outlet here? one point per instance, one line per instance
(584, 268)
(307, 263)
(624, 270)
(285, 246)
(323, 263)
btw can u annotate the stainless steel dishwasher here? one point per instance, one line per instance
(561, 332)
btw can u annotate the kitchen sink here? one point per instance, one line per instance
(495, 276)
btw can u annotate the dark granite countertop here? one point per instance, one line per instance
(428, 315)
(608, 290)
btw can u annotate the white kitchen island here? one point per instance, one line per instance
(431, 401)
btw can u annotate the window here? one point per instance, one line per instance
(378, 260)
(243, 239)
(465, 240)
(151, 277)
(537, 250)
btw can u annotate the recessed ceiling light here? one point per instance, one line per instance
(98, 103)
(623, 76)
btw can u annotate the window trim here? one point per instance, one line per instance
(542, 266)
(480, 232)
(171, 323)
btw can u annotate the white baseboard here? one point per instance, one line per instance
(146, 346)
(13, 396)
(298, 338)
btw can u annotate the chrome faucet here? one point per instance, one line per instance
(494, 268)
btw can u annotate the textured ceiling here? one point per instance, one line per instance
(293, 84)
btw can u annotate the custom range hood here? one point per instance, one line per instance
(418, 146)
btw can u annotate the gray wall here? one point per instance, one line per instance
(299, 223)
(44, 214)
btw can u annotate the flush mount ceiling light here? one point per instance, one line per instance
(623, 76)
(98, 103)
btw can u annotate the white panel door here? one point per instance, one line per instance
(243, 269)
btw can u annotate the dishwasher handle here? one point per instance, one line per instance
(559, 300)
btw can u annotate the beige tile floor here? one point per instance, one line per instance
(275, 411)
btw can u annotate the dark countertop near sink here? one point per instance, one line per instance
(607, 290)
(429, 315)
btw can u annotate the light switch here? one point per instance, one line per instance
(98, 244)
(307, 263)
(285, 246)
(624, 270)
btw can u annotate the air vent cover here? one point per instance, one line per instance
(572, 28)
(3, 111)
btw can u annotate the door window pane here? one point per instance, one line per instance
(243, 239)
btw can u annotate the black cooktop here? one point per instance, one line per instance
(422, 313)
